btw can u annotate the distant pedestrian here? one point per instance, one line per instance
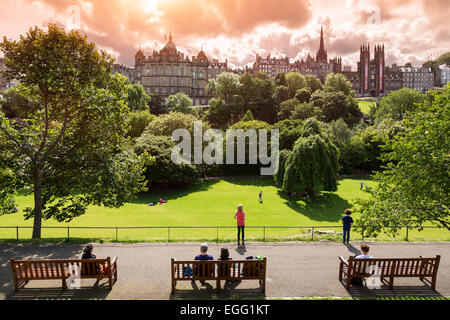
(240, 217)
(347, 222)
(260, 196)
(362, 185)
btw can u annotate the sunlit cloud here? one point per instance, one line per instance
(237, 30)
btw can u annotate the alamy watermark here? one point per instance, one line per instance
(213, 152)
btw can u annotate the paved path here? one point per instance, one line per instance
(294, 270)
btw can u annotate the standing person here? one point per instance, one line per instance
(347, 222)
(240, 217)
(362, 185)
(260, 196)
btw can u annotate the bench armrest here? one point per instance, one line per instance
(343, 260)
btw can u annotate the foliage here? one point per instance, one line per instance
(313, 164)
(156, 105)
(138, 99)
(179, 102)
(397, 104)
(303, 95)
(162, 170)
(290, 131)
(286, 108)
(305, 111)
(413, 188)
(165, 124)
(138, 122)
(313, 83)
(71, 146)
(337, 104)
(248, 116)
(337, 82)
(294, 82)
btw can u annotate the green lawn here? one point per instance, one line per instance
(212, 203)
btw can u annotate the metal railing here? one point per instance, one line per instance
(263, 238)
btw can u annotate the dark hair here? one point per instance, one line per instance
(348, 211)
(88, 248)
(364, 247)
(224, 254)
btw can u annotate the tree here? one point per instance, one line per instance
(313, 164)
(280, 94)
(397, 104)
(138, 100)
(179, 102)
(138, 122)
(248, 116)
(337, 82)
(280, 79)
(413, 188)
(313, 83)
(226, 106)
(303, 95)
(71, 147)
(286, 108)
(294, 81)
(162, 170)
(156, 105)
(335, 105)
(304, 111)
(290, 131)
(165, 124)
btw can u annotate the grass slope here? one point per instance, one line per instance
(211, 203)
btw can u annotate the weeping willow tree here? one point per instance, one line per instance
(313, 163)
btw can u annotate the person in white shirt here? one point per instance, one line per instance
(364, 252)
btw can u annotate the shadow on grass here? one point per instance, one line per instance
(327, 206)
(172, 193)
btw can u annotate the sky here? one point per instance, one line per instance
(412, 31)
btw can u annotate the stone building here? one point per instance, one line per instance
(170, 71)
(417, 78)
(271, 66)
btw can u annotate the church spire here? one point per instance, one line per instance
(321, 54)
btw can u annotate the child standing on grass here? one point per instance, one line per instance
(240, 217)
(347, 222)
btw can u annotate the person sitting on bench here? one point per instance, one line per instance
(203, 256)
(364, 252)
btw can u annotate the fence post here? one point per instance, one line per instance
(312, 233)
(264, 233)
(168, 234)
(68, 233)
(217, 235)
(117, 237)
(17, 233)
(362, 233)
(407, 231)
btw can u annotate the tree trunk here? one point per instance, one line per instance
(37, 180)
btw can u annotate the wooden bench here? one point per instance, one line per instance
(389, 268)
(62, 269)
(217, 270)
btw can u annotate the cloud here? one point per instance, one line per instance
(238, 29)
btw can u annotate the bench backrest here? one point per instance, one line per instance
(57, 269)
(396, 267)
(217, 269)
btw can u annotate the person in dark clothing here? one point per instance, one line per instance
(203, 256)
(347, 222)
(225, 269)
(88, 255)
(87, 252)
